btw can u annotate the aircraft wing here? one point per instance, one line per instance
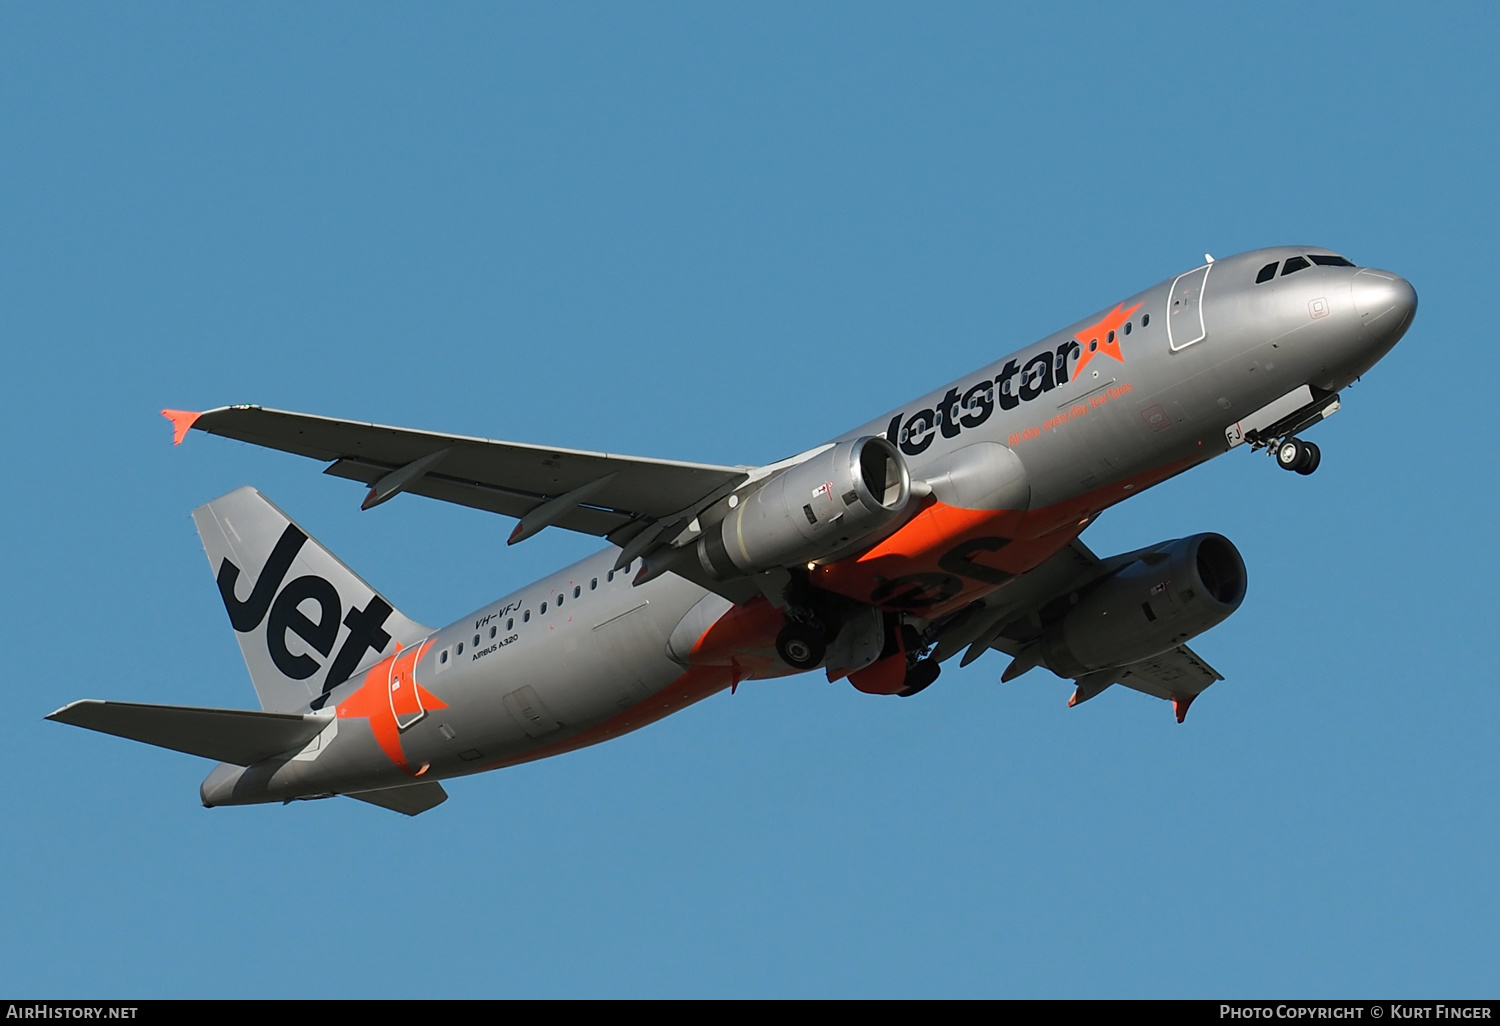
(599, 493)
(1010, 620)
(1174, 674)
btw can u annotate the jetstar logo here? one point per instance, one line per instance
(1018, 382)
(286, 615)
(1103, 337)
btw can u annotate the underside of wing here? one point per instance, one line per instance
(597, 493)
(1016, 620)
(1174, 675)
(1007, 619)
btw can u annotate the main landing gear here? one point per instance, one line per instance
(801, 644)
(1295, 454)
(919, 676)
(921, 668)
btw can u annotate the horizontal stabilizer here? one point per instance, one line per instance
(410, 800)
(239, 736)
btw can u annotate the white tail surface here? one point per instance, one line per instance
(305, 621)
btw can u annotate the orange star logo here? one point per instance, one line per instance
(392, 700)
(1103, 337)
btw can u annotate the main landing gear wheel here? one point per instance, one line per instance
(801, 646)
(1295, 454)
(919, 676)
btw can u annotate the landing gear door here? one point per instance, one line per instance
(1185, 309)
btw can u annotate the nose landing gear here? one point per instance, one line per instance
(1296, 455)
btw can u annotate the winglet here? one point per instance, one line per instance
(181, 420)
(1180, 706)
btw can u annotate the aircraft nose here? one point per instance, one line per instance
(1386, 303)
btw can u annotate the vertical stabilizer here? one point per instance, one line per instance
(305, 621)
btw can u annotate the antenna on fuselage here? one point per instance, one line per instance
(1209, 257)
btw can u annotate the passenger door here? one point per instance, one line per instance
(1185, 309)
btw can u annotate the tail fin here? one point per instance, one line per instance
(304, 620)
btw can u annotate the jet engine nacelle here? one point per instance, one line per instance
(1174, 592)
(822, 504)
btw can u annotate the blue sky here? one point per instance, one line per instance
(725, 234)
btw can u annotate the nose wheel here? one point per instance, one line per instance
(1299, 456)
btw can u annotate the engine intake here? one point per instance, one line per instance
(1172, 593)
(817, 507)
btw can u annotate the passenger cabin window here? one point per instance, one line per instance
(1327, 260)
(526, 616)
(1293, 265)
(1145, 319)
(577, 591)
(593, 584)
(543, 610)
(510, 624)
(1266, 273)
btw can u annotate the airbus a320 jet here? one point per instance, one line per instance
(950, 525)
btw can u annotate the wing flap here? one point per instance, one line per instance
(239, 736)
(509, 502)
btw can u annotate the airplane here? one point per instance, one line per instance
(950, 525)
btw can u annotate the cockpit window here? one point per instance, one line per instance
(1329, 260)
(1293, 265)
(1266, 273)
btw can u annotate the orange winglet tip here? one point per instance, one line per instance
(1073, 700)
(1180, 706)
(181, 420)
